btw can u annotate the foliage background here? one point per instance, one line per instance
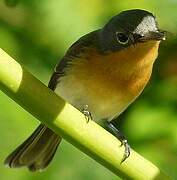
(37, 34)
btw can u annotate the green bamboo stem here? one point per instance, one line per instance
(65, 120)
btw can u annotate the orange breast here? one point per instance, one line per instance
(109, 83)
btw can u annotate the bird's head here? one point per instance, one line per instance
(130, 28)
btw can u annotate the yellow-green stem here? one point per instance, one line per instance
(67, 121)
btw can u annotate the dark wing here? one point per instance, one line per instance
(76, 50)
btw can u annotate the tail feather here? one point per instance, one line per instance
(37, 151)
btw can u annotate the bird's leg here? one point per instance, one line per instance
(87, 113)
(122, 138)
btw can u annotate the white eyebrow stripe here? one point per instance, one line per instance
(147, 24)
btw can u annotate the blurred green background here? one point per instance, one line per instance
(37, 34)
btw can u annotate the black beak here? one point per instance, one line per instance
(156, 36)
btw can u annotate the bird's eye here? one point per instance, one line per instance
(122, 38)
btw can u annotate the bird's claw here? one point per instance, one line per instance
(87, 113)
(121, 137)
(127, 150)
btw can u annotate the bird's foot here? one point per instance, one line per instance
(127, 150)
(87, 113)
(122, 138)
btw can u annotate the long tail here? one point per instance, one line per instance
(37, 151)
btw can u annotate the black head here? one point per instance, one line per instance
(130, 27)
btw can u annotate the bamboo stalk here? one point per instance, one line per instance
(67, 121)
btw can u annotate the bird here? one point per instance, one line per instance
(101, 74)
